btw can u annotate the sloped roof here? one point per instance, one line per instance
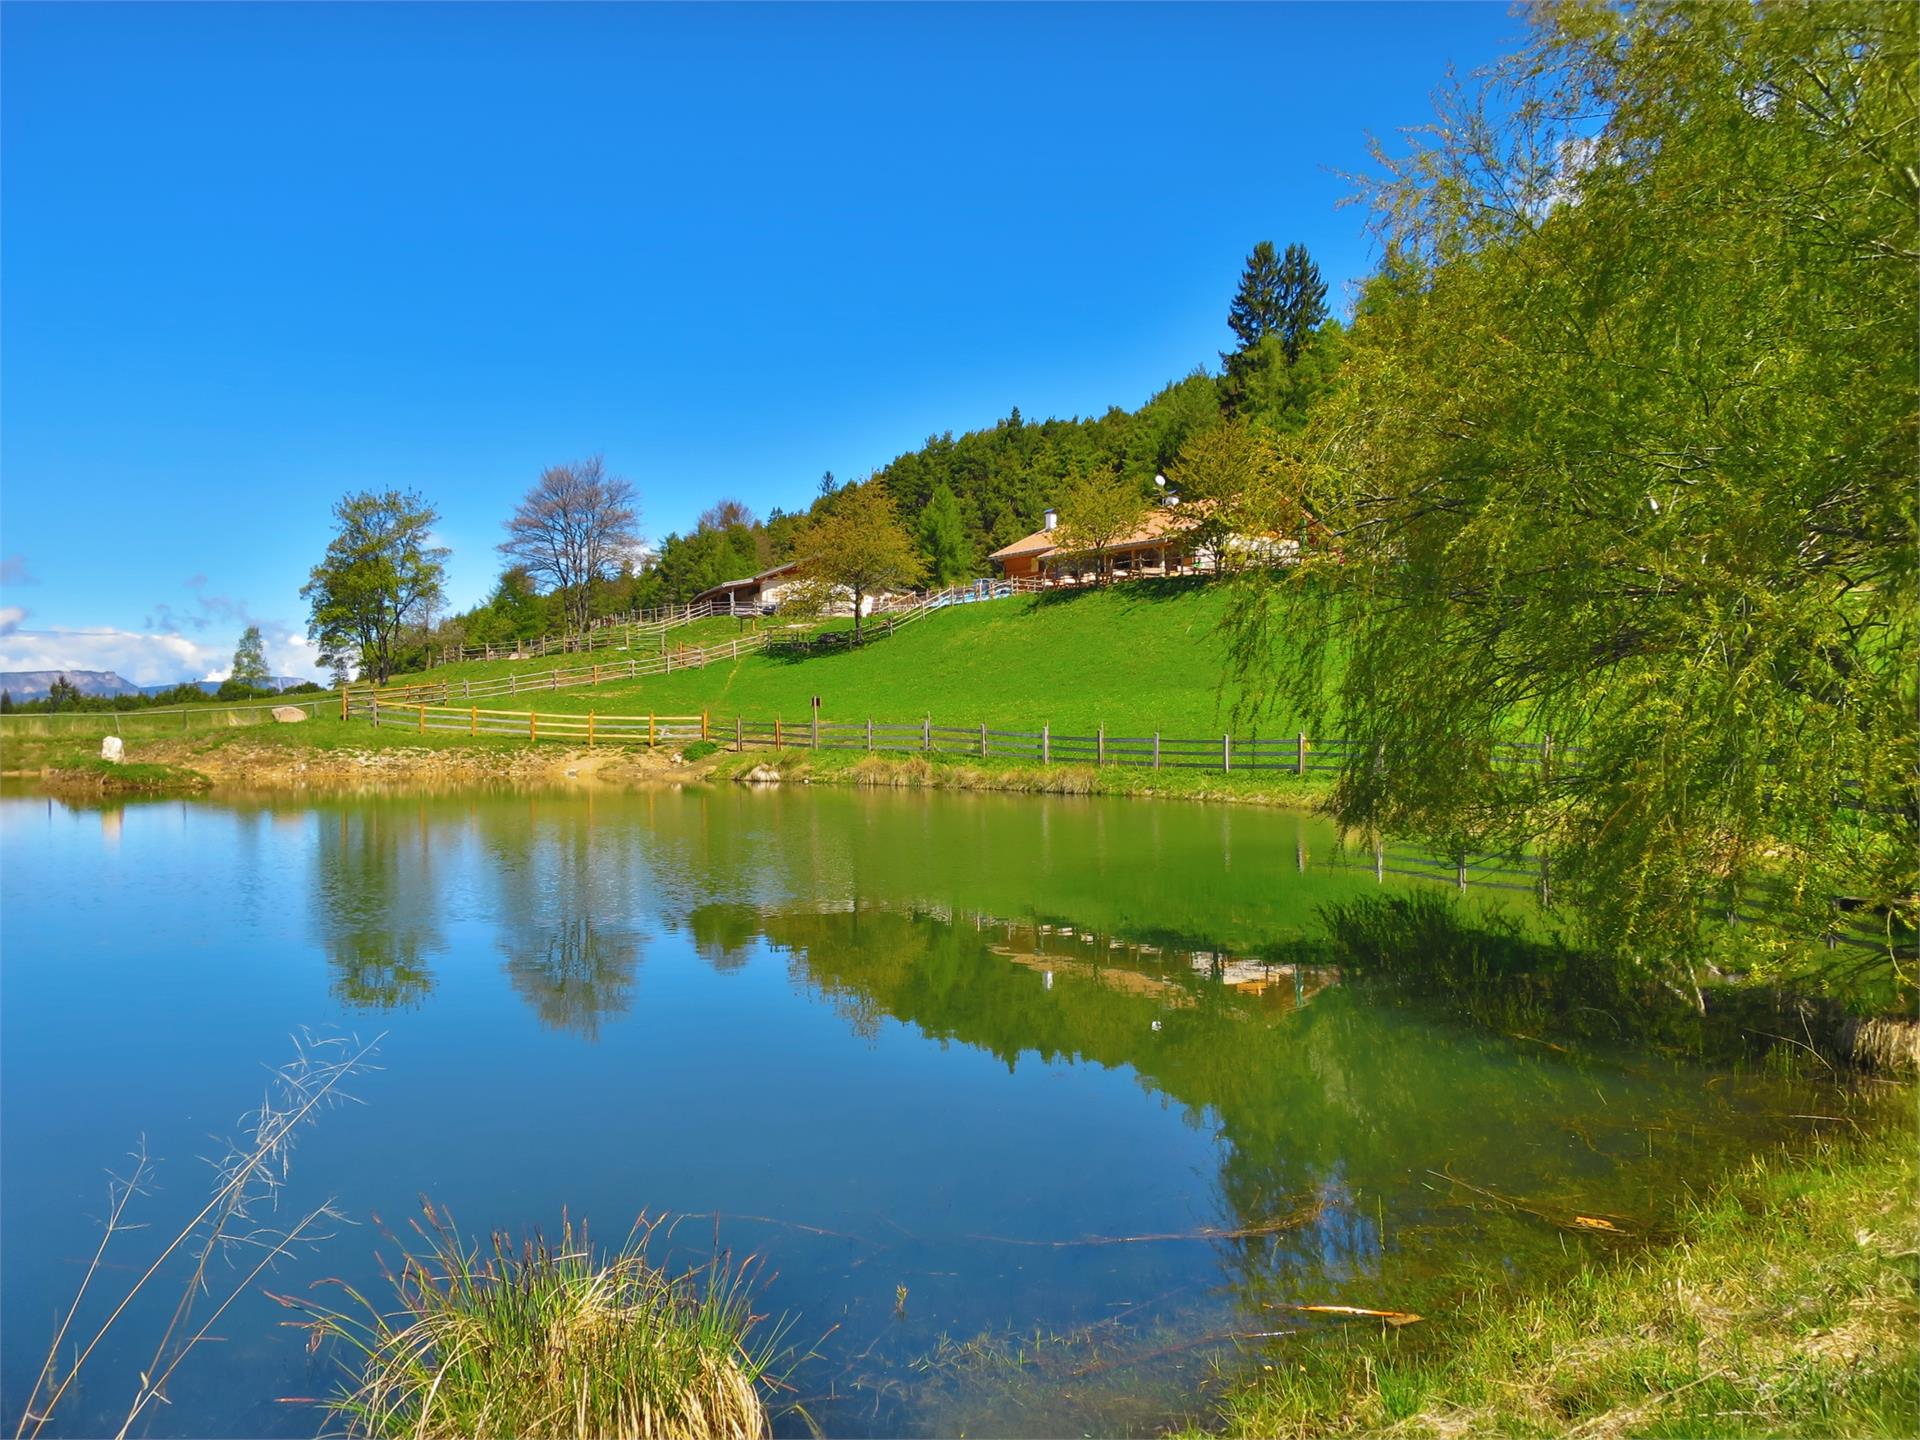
(1160, 522)
(786, 568)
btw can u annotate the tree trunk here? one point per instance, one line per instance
(857, 597)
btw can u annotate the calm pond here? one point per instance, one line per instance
(972, 1076)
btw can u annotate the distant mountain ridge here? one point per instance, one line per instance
(37, 684)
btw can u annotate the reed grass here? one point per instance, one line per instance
(238, 1223)
(543, 1339)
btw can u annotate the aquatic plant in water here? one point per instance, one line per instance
(237, 1223)
(549, 1339)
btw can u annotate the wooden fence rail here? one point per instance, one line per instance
(160, 721)
(624, 633)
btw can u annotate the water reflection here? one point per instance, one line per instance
(375, 902)
(1064, 1068)
(572, 974)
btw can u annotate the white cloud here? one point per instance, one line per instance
(144, 657)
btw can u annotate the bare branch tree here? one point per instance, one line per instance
(574, 527)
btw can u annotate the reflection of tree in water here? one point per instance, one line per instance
(573, 973)
(1337, 1108)
(375, 904)
(723, 934)
(566, 890)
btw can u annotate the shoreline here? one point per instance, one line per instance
(330, 754)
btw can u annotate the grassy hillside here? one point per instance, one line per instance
(1136, 657)
(715, 631)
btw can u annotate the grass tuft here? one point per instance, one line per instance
(551, 1340)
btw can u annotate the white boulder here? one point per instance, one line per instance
(289, 714)
(112, 751)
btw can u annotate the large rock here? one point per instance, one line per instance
(112, 750)
(762, 774)
(289, 714)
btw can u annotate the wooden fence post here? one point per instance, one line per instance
(983, 739)
(926, 734)
(1300, 755)
(1100, 744)
(1226, 753)
(343, 708)
(1379, 858)
(473, 721)
(703, 725)
(533, 724)
(423, 721)
(739, 732)
(589, 729)
(776, 733)
(869, 735)
(1156, 749)
(650, 733)
(1046, 744)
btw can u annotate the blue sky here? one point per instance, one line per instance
(252, 257)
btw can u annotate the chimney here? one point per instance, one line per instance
(1053, 518)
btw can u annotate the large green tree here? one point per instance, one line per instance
(1300, 301)
(858, 544)
(1277, 311)
(381, 574)
(1255, 310)
(944, 541)
(1623, 453)
(1096, 512)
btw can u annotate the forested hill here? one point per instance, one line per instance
(966, 495)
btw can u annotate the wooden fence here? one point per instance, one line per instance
(160, 721)
(473, 722)
(613, 632)
(448, 708)
(633, 667)
(622, 633)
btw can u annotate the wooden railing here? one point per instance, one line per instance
(633, 667)
(159, 721)
(625, 632)
(617, 632)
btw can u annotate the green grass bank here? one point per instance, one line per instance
(1136, 658)
(1783, 1305)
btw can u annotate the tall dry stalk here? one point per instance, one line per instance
(248, 1180)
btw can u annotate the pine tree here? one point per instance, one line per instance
(943, 538)
(6, 702)
(1256, 305)
(1300, 300)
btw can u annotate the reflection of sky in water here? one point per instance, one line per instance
(1057, 1067)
